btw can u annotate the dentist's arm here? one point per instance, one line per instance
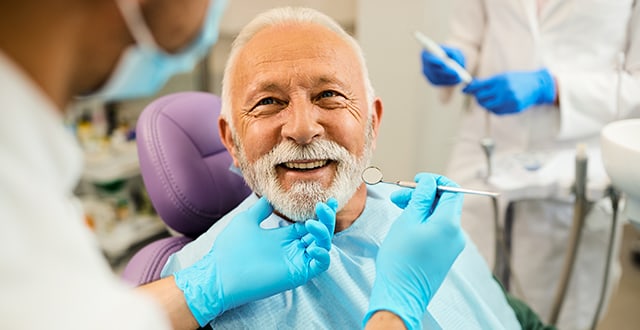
(172, 300)
(416, 255)
(271, 261)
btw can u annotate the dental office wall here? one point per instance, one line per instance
(417, 129)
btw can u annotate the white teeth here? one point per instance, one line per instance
(305, 166)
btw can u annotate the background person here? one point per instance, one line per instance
(549, 75)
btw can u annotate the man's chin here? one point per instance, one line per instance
(296, 207)
(289, 219)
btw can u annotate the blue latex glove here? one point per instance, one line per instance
(437, 72)
(418, 251)
(513, 92)
(248, 263)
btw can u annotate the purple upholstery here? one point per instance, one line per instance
(185, 169)
(145, 266)
(184, 165)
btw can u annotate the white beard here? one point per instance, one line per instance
(298, 203)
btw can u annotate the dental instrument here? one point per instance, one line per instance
(580, 210)
(488, 145)
(615, 196)
(433, 48)
(373, 175)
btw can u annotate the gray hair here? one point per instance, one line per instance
(283, 16)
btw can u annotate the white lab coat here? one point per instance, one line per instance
(580, 42)
(52, 274)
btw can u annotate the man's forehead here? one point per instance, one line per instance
(295, 40)
(308, 51)
(267, 83)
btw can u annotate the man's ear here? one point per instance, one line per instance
(376, 116)
(227, 139)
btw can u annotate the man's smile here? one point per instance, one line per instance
(305, 165)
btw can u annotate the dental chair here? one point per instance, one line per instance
(185, 169)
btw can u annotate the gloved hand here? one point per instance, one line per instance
(513, 92)
(248, 263)
(439, 73)
(418, 251)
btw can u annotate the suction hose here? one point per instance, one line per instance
(614, 195)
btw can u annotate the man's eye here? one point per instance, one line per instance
(267, 101)
(267, 106)
(328, 94)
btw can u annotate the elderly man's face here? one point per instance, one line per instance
(302, 127)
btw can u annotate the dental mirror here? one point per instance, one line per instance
(373, 175)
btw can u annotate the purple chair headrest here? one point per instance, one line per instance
(184, 165)
(146, 265)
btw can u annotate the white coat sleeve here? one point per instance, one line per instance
(53, 275)
(591, 99)
(468, 24)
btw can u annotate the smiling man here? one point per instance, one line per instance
(300, 119)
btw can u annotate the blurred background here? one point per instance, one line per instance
(416, 134)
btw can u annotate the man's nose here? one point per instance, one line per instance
(302, 125)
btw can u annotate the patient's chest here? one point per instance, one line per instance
(336, 299)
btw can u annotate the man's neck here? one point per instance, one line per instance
(350, 212)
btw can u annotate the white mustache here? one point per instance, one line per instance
(288, 151)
